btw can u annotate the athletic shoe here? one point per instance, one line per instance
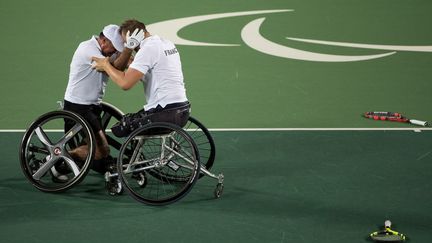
(57, 177)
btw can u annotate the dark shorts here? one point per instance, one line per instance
(90, 113)
(176, 113)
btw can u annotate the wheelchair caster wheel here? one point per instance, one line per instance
(114, 187)
(218, 191)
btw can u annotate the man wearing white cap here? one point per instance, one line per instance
(86, 86)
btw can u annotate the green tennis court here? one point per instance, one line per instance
(282, 92)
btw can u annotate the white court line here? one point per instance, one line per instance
(318, 129)
(275, 129)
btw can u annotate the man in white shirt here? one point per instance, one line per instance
(86, 86)
(157, 64)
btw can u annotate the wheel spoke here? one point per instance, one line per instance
(43, 137)
(45, 167)
(113, 142)
(72, 165)
(106, 117)
(70, 134)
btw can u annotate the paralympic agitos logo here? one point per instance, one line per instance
(252, 37)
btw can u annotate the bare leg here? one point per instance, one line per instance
(79, 153)
(102, 148)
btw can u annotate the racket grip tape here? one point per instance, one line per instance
(418, 122)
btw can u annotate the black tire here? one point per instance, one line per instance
(39, 155)
(180, 158)
(204, 142)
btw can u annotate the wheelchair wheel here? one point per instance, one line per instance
(161, 153)
(204, 142)
(45, 147)
(110, 115)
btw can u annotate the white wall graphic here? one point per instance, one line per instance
(252, 38)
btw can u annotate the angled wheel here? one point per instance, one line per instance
(204, 142)
(110, 115)
(45, 149)
(161, 153)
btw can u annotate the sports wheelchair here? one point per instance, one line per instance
(157, 164)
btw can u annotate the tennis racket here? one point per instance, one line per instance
(393, 116)
(387, 235)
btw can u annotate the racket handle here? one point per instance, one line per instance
(387, 223)
(419, 123)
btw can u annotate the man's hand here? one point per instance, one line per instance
(100, 63)
(133, 40)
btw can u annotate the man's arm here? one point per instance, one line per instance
(124, 80)
(132, 41)
(121, 62)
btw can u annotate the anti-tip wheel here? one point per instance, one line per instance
(219, 190)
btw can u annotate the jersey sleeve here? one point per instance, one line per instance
(82, 57)
(86, 52)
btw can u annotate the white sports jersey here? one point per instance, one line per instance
(163, 82)
(86, 85)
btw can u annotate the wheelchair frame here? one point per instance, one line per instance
(158, 163)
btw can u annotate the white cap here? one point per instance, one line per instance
(112, 33)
